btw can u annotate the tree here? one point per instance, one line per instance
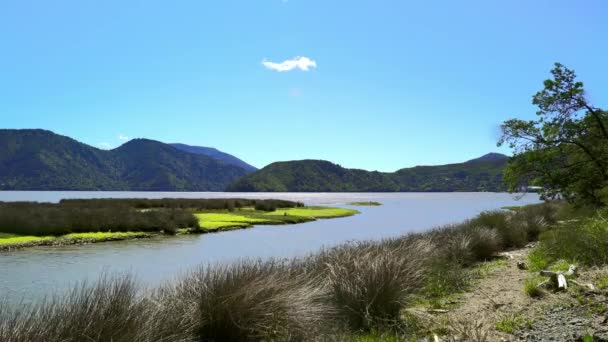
(566, 149)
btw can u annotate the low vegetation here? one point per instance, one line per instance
(581, 240)
(24, 224)
(351, 292)
(19, 241)
(365, 204)
(512, 322)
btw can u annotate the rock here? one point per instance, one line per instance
(575, 321)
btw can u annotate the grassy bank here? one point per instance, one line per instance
(357, 291)
(87, 221)
(247, 217)
(12, 241)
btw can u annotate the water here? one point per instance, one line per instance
(32, 273)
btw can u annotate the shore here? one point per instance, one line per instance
(209, 222)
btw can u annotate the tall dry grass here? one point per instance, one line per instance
(356, 288)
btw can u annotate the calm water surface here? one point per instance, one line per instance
(32, 273)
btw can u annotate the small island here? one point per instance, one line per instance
(29, 224)
(365, 204)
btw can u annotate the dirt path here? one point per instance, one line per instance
(498, 302)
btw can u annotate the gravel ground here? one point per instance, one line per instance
(577, 314)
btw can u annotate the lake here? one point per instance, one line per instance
(30, 274)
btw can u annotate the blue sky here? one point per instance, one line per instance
(388, 84)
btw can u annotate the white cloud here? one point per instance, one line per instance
(104, 145)
(302, 63)
(123, 137)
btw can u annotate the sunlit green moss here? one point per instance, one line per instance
(316, 212)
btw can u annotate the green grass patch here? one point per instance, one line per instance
(487, 268)
(217, 221)
(531, 286)
(538, 260)
(25, 241)
(602, 281)
(104, 236)
(513, 322)
(17, 240)
(316, 212)
(560, 266)
(364, 204)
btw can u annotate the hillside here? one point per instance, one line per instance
(481, 174)
(42, 160)
(217, 155)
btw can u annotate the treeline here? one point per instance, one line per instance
(42, 219)
(565, 150)
(118, 215)
(182, 203)
(481, 174)
(338, 294)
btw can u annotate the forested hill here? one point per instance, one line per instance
(216, 154)
(481, 174)
(36, 159)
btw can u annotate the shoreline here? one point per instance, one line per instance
(228, 221)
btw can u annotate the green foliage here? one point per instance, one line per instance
(180, 203)
(538, 259)
(531, 286)
(566, 149)
(482, 174)
(511, 235)
(316, 212)
(42, 160)
(585, 241)
(512, 322)
(602, 281)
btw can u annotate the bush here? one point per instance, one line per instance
(47, 219)
(531, 286)
(109, 310)
(370, 283)
(262, 301)
(585, 241)
(511, 233)
(484, 243)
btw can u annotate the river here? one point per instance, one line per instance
(30, 274)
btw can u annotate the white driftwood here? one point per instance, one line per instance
(559, 278)
(508, 255)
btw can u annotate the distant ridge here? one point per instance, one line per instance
(216, 154)
(35, 159)
(480, 174)
(490, 157)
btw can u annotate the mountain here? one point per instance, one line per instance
(35, 159)
(480, 174)
(216, 154)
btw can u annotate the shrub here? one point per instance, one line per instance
(585, 241)
(370, 283)
(484, 243)
(263, 301)
(538, 259)
(47, 219)
(511, 233)
(531, 286)
(109, 310)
